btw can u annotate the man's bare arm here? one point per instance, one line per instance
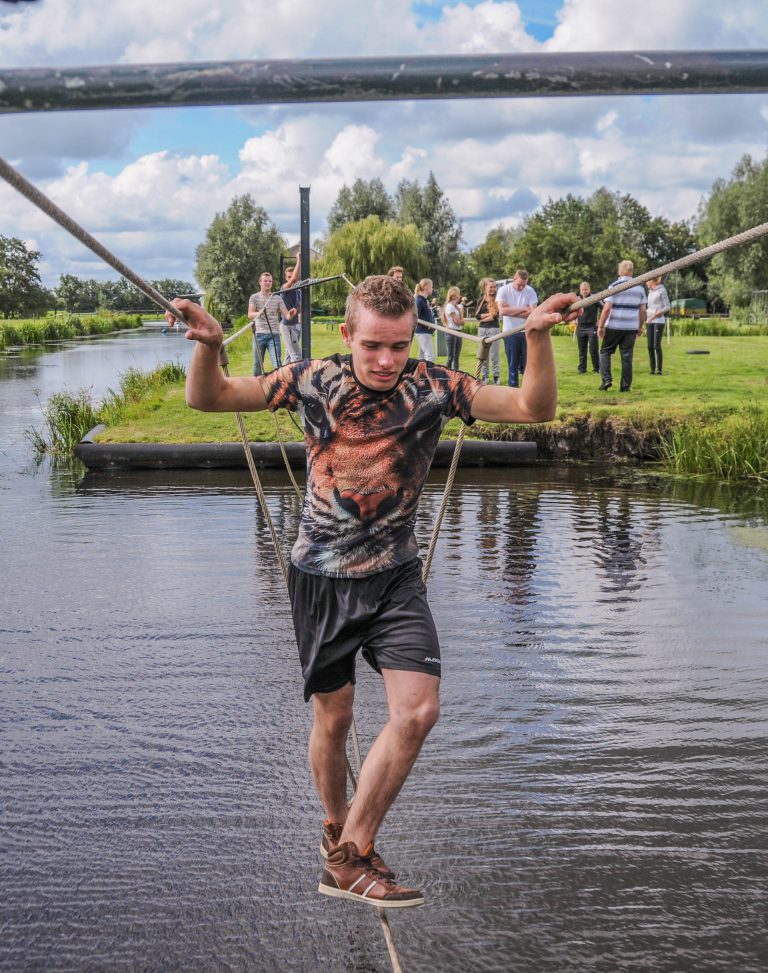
(294, 275)
(536, 401)
(208, 388)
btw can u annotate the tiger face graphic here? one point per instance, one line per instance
(368, 456)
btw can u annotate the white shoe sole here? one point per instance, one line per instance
(379, 903)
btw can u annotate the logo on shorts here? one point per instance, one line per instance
(435, 661)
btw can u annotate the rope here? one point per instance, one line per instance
(747, 236)
(278, 433)
(356, 749)
(385, 927)
(33, 194)
(39, 199)
(311, 282)
(482, 354)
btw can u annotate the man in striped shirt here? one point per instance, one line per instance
(621, 324)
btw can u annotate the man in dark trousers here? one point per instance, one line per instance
(620, 325)
(372, 421)
(586, 332)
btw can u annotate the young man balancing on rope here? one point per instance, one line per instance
(372, 420)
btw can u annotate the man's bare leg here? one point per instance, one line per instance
(328, 747)
(413, 700)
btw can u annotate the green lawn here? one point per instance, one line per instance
(734, 374)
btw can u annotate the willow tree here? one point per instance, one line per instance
(367, 247)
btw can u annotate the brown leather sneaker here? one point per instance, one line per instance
(331, 834)
(350, 875)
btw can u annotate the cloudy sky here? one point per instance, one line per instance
(147, 183)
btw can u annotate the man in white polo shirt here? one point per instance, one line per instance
(516, 300)
(620, 325)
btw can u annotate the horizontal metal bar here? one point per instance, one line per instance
(382, 79)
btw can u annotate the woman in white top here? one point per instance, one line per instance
(658, 305)
(453, 318)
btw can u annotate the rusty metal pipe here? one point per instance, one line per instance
(382, 79)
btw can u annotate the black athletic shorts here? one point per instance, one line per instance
(386, 615)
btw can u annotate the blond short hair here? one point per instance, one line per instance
(385, 295)
(626, 268)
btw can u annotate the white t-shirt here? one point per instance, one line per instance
(509, 294)
(451, 309)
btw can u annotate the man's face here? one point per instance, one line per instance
(265, 282)
(397, 274)
(380, 347)
(518, 283)
(584, 290)
(288, 272)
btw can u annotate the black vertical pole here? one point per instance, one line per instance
(306, 298)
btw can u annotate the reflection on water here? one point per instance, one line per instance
(594, 797)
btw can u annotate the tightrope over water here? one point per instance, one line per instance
(22, 185)
(594, 796)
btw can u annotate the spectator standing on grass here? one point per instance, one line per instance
(586, 332)
(487, 315)
(453, 317)
(423, 292)
(658, 306)
(290, 328)
(516, 301)
(265, 311)
(621, 324)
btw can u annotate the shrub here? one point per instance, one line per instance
(730, 446)
(67, 417)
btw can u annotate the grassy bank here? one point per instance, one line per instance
(728, 446)
(36, 330)
(701, 399)
(67, 417)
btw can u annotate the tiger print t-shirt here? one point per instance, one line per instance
(368, 455)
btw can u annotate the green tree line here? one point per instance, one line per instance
(563, 242)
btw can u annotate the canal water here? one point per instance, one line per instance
(594, 798)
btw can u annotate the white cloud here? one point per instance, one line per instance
(604, 25)
(485, 28)
(150, 189)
